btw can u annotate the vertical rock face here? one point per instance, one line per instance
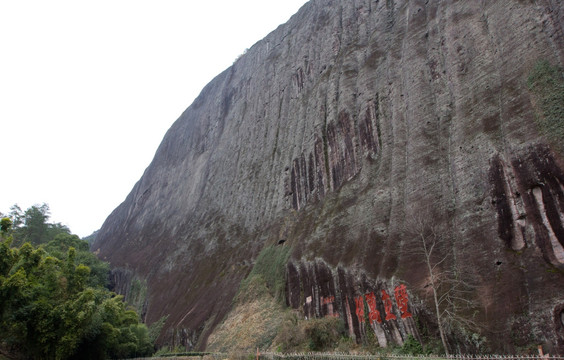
(338, 132)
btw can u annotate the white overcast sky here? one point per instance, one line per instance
(89, 88)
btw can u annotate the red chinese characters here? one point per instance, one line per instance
(359, 308)
(373, 314)
(388, 306)
(327, 300)
(400, 293)
(402, 300)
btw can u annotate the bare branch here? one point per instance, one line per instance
(451, 294)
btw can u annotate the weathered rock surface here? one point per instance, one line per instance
(334, 133)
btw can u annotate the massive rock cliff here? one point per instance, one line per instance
(353, 134)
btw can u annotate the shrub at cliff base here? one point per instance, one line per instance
(323, 334)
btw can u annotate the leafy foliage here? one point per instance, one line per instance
(32, 225)
(5, 225)
(53, 304)
(60, 245)
(137, 294)
(411, 346)
(156, 327)
(324, 333)
(317, 334)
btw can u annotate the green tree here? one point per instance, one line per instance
(5, 225)
(32, 225)
(35, 220)
(52, 308)
(59, 246)
(17, 215)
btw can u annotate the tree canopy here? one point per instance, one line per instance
(32, 225)
(53, 300)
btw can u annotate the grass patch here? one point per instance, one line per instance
(547, 84)
(253, 322)
(258, 309)
(270, 267)
(155, 329)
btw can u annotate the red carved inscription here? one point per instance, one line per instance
(374, 314)
(402, 299)
(359, 308)
(327, 300)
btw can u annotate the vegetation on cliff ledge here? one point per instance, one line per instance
(547, 83)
